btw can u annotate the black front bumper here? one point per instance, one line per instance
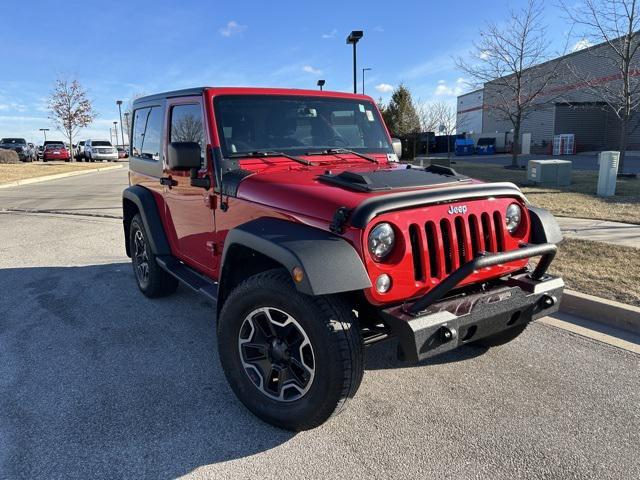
(431, 326)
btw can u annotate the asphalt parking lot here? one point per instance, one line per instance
(96, 381)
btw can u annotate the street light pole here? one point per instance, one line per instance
(126, 119)
(353, 39)
(115, 128)
(364, 70)
(44, 130)
(119, 103)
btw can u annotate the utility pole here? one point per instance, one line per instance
(44, 130)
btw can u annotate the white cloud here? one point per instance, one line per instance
(332, 34)
(310, 69)
(384, 88)
(581, 45)
(378, 29)
(443, 89)
(484, 54)
(13, 106)
(232, 28)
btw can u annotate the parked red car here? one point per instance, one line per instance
(56, 151)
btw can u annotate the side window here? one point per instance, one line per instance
(147, 133)
(187, 125)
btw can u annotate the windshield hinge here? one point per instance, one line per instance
(340, 217)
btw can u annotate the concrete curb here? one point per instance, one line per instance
(45, 178)
(600, 310)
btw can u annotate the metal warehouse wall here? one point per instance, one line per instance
(594, 129)
(469, 112)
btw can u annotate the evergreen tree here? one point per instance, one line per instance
(401, 115)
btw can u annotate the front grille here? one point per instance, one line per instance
(439, 248)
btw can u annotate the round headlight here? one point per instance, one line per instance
(513, 217)
(381, 240)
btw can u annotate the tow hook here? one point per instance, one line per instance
(447, 334)
(548, 301)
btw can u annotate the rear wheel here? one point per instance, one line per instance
(293, 360)
(152, 280)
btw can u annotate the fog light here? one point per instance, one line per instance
(383, 283)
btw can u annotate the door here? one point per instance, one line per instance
(526, 143)
(189, 209)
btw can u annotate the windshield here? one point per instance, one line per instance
(100, 144)
(14, 141)
(298, 124)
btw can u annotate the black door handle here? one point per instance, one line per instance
(168, 182)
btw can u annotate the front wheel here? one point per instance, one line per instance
(293, 360)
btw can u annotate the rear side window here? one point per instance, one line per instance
(187, 125)
(147, 133)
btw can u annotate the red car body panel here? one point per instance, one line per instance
(282, 188)
(52, 153)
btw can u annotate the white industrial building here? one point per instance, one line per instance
(567, 106)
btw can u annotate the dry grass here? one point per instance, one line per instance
(20, 171)
(608, 271)
(578, 200)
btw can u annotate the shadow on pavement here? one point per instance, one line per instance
(98, 381)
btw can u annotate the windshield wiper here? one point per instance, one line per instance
(338, 151)
(268, 153)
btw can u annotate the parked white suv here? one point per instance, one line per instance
(100, 150)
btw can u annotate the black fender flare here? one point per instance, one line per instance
(544, 227)
(329, 263)
(146, 204)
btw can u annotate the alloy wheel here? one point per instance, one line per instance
(276, 354)
(141, 257)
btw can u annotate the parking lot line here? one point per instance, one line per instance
(617, 338)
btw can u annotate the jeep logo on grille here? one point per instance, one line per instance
(461, 209)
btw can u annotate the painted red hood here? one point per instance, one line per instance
(296, 189)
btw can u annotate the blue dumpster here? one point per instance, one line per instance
(464, 146)
(486, 146)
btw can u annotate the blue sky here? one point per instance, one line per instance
(118, 49)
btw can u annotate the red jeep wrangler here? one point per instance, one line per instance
(289, 211)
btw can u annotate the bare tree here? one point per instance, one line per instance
(428, 121)
(444, 116)
(615, 24)
(502, 61)
(69, 108)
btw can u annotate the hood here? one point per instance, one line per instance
(318, 192)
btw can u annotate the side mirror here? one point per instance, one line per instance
(397, 146)
(183, 155)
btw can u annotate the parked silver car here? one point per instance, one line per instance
(100, 150)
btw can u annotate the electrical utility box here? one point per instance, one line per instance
(552, 173)
(608, 173)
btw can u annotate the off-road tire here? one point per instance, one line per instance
(333, 334)
(157, 282)
(503, 337)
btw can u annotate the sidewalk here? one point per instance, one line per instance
(624, 234)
